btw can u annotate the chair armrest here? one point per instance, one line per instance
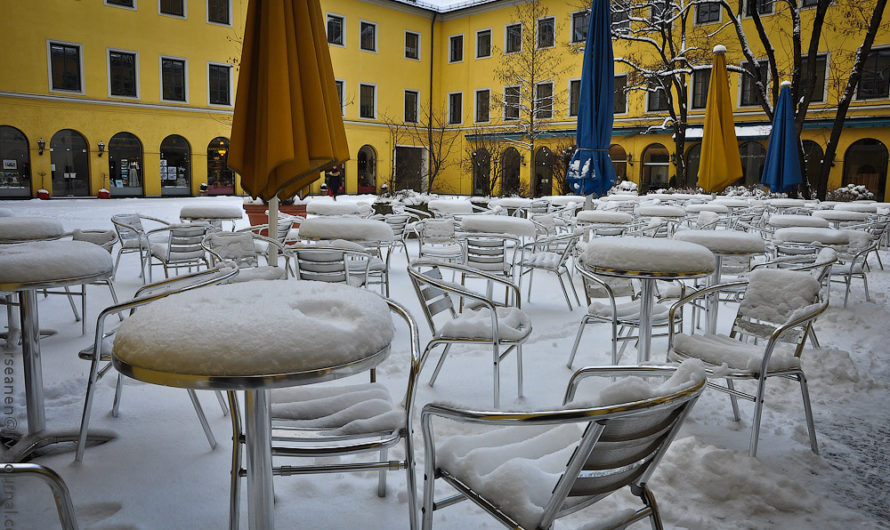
(612, 371)
(459, 289)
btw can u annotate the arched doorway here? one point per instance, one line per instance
(865, 163)
(176, 164)
(510, 162)
(125, 167)
(367, 170)
(693, 160)
(619, 161)
(481, 172)
(753, 158)
(220, 178)
(812, 161)
(543, 172)
(70, 163)
(15, 174)
(656, 166)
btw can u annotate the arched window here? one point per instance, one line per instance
(125, 167)
(176, 166)
(510, 162)
(70, 163)
(619, 161)
(656, 165)
(367, 170)
(865, 163)
(481, 172)
(15, 175)
(693, 159)
(543, 184)
(812, 160)
(220, 178)
(753, 158)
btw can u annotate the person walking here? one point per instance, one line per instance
(335, 181)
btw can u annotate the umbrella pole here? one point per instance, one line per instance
(272, 256)
(588, 202)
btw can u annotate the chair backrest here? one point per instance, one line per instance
(323, 264)
(184, 243)
(186, 282)
(237, 247)
(437, 230)
(284, 226)
(488, 253)
(399, 223)
(433, 299)
(771, 298)
(127, 225)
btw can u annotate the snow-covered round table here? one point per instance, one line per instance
(786, 221)
(285, 333)
(30, 228)
(498, 224)
(837, 217)
(214, 214)
(26, 268)
(647, 259)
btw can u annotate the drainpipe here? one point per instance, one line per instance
(429, 127)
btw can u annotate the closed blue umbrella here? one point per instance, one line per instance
(591, 171)
(781, 169)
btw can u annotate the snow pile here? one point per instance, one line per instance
(707, 221)
(624, 187)
(336, 410)
(498, 224)
(349, 228)
(48, 261)
(728, 241)
(720, 350)
(264, 328)
(648, 255)
(29, 228)
(851, 192)
(689, 374)
(800, 234)
(450, 206)
(5, 212)
(784, 221)
(512, 323)
(774, 294)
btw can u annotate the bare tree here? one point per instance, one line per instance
(483, 160)
(531, 64)
(562, 155)
(432, 133)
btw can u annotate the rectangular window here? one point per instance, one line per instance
(809, 3)
(659, 11)
(220, 84)
(121, 3)
(817, 77)
(701, 79)
(335, 30)
(544, 101)
(367, 101)
(875, 82)
(173, 79)
(340, 88)
(511, 103)
(574, 96)
(763, 7)
(173, 7)
(749, 88)
(620, 105)
(513, 38)
(621, 16)
(412, 45)
(483, 43)
(412, 99)
(455, 108)
(455, 48)
(546, 32)
(122, 74)
(65, 66)
(368, 41)
(657, 100)
(707, 13)
(218, 11)
(483, 104)
(580, 21)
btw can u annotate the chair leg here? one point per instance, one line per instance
(202, 418)
(116, 263)
(865, 284)
(758, 411)
(496, 383)
(222, 403)
(411, 477)
(235, 482)
(813, 338)
(808, 411)
(572, 285)
(734, 401)
(531, 275)
(118, 390)
(519, 369)
(847, 292)
(87, 408)
(649, 500)
(381, 475)
(83, 309)
(565, 293)
(429, 489)
(577, 342)
(73, 305)
(439, 364)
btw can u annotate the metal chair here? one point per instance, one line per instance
(330, 264)
(335, 420)
(480, 321)
(240, 249)
(550, 254)
(495, 254)
(133, 238)
(438, 240)
(778, 306)
(64, 506)
(181, 250)
(103, 344)
(580, 453)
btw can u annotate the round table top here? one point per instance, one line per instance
(29, 228)
(841, 215)
(348, 228)
(648, 257)
(856, 206)
(724, 241)
(40, 264)
(605, 217)
(715, 207)
(803, 234)
(498, 224)
(451, 206)
(211, 211)
(797, 220)
(786, 203)
(513, 202)
(732, 203)
(255, 335)
(661, 211)
(323, 207)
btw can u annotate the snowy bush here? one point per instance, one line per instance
(850, 192)
(624, 187)
(755, 190)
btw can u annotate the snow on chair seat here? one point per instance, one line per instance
(736, 355)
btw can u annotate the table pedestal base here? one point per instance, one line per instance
(258, 435)
(22, 447)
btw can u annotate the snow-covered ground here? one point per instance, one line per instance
(160, 473)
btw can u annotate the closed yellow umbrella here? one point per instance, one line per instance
(720, 163)
(287, 125)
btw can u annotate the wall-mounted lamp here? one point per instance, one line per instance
(673, 158)
(101, 146)
(630, 159)
(41, 145)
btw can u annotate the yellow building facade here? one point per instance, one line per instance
(135, 96)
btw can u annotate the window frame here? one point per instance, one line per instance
(623, 25)
(416, 105)
(419, 46)
(230, 69)
(341, 94)
(518, 102)
(856, 94)
(374, 86)
(476, 105)
(824, 96)
(552, 20)
(507, 27)
(215, 23)
(185, 71)
(361, 24)
(649, 99)
(451, 108)
(626, 106)
(768, 13)
(490, 34)
(538, 110)
(695, 21)
(183, 16)
(133, 8)
(327, 16)
(572, 15)
(135, 54)
(49, 66)
(743, 77)
(451, 40)
(693, 85)
(571, 98)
